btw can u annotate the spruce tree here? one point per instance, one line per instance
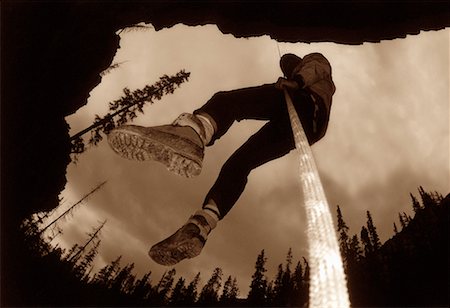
(142, 287)
(191, 291)
(230, 292)
(375, 240)
(178, 293)
(210, 292)
(163, 288)
(367, 243)
(124, 280)
(279, 298)
(257, 295)
(234, 292)
(342, 229)
(107, 273)
(299, 287)
(81, 270)
(402, 221)
(415, 203)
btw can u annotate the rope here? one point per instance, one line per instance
(328, 286)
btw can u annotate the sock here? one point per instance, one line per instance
(208, 126)
(202, 124)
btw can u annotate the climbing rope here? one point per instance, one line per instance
(328, 287)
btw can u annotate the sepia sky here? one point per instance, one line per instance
(388, 134)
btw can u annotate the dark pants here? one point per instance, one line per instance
(273, 140)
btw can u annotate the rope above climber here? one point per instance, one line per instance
(180, 146)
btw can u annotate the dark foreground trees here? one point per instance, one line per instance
(410, 269)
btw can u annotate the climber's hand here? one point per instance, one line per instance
(283, 83)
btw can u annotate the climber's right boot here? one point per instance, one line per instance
(185, 243)
(180, 146)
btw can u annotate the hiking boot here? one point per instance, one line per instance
(186, 243)
(179, 148)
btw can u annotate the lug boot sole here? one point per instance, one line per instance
(175, 249)
(167, 144)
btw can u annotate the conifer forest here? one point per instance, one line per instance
(409, 269)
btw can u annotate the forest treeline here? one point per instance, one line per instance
(410, 269)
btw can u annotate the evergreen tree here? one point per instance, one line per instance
(125, 109)
(234, 292)
(107, 273)
(178, 293)
(82, 269)
(343, 235)
(163, 288)
(367, 243)
(279, 288)
(270, 293)
(415, 204)
(299, 287)
(258, 288)
(402, 221)
(92, 237)
(191, 291)
(142, 287)
(374, 239)
(124, 280)
(287, 285)
(427, 200)
(230, 292)
(210, 292)
(354, 250)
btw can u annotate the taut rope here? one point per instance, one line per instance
(328, 287)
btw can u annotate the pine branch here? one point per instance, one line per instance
(126, 108)
(93, 236)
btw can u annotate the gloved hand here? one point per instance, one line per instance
(283, 83)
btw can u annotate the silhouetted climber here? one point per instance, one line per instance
(180, 146)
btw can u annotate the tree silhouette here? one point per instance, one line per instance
(415, 203)
(126, 109)
(162, 290)
(210, 293)
(177, 297)
(342, 229)
(403, 223)
(107, 273)
(407, 270)
(92, 237)
(374, 239)
(230, 292)
(83, 269)
(70, 210)
(283, 285)
(142, 287)
(367, 243)
(257, 295)
(124, 280)
(191, 291)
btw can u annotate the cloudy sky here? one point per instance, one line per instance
(388, 134)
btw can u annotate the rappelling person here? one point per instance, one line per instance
(180, 145)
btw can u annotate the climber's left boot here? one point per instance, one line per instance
(180, 146)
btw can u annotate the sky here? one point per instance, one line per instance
(388, 134)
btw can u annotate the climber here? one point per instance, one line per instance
(180, 146)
